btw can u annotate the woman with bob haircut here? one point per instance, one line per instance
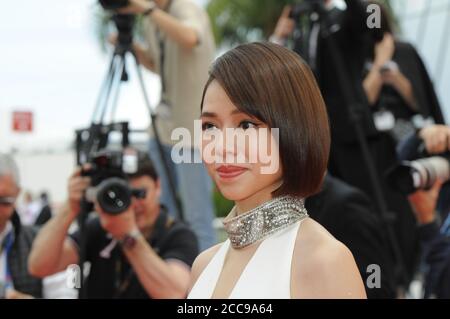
(274, 250)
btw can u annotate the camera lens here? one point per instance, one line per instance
(409, 177)
(114, 196)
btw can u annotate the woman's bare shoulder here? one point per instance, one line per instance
(201, 262)
(323, 267)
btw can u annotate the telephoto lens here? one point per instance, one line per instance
(422, 174)
(113, 195)
(109, 184)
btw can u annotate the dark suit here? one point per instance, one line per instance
(347, 214)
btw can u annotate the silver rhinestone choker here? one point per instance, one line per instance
(264, 220)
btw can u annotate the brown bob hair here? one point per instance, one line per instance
(277, 87)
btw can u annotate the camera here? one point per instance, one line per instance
(109, 185)
(124, 22)
(113, 4)
(420, 174)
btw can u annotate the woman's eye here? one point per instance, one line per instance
(247, 124)
(208, 126)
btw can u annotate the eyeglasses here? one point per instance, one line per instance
(7, 200)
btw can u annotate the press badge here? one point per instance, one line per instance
(384, 120)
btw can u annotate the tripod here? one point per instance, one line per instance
(117, 74)
(354, 106)
(96, 137)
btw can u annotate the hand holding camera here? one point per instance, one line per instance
(117, 225)
(425, 202)
(104, 183)
(384, 50)
(77, 187)
(436, 138)
(285, 25)
(431, 162)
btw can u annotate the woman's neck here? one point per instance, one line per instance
(257, 199)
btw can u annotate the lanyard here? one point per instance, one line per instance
(121, 285)
(445, 229)
(6, 247)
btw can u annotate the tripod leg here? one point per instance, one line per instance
(162, 154)
(121, 68)
(104, 88)
(114, 82)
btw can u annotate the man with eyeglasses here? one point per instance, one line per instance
(140, 253)
(15, 239)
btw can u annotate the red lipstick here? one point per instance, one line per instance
(230, 171)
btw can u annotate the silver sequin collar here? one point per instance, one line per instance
(264, 220)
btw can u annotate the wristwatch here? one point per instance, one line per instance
(152, 6)
(129, 240)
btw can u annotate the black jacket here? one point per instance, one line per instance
(347, 214)
(18, 259)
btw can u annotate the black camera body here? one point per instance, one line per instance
(113, 4)
(124, 22)
(109, 183)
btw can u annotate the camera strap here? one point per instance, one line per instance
(120, 285)
(5, 248)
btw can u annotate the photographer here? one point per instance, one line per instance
(179, 46)
(431, 209)
(431, 140)
(139, 253)
(348, 30)
(397, 84)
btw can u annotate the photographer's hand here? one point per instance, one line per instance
(285, 26)
(52, 251)
(373, 82)
(384, 50)
(401, 83)
(118, 225)
(185, 35)
(77, 186)
(436, 138)
(141, 54)
(424, 203)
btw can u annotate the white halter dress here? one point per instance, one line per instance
(266, 276)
